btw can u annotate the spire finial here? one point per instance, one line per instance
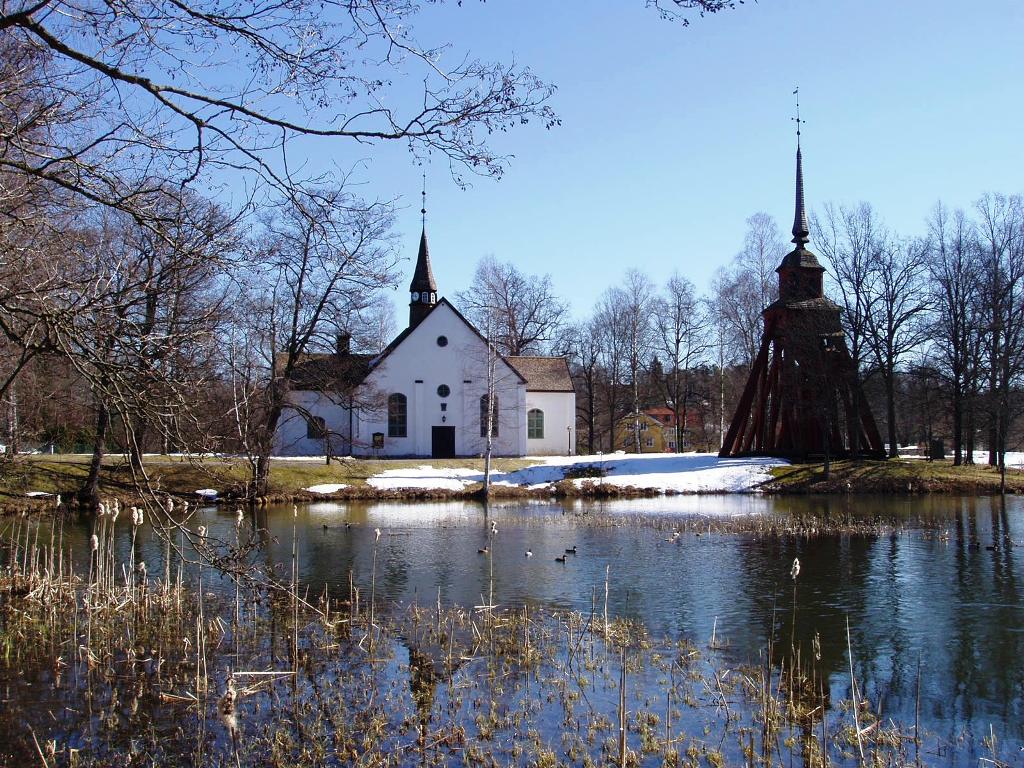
(423, 209)
(801, 230)
(797, 119)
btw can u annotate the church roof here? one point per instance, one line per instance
(800, 257)
(543, 374)
(423, 276)
(397, 341)
(327, 371)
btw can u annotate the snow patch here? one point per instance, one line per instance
(207, 493)
(326, 488)
(666, 472)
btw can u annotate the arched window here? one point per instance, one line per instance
(535, 424)
(483, 417)
(398, 412)
(316, 428)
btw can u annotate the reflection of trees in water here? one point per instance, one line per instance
(908, 596)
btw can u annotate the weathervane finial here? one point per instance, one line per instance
(423, 209)
(797, 119)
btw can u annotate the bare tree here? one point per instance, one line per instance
(139, 86)
(895, 326)
(634, 304)
(852, 240)
(522, 309)
(682, 324)
(956, 326)
(743, 290)
(1001, 234)
(584, 345)
(320, 256)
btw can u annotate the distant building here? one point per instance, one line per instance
(657, 431)
(431, 392)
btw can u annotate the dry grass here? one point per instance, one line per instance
(175, 475)
(899, 476)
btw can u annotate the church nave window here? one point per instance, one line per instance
(316, 427)
(398, 413)
(535, 424)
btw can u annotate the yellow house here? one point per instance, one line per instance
(655, 435)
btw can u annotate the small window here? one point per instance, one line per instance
(444, 390)
(442, 341)
(398, 415)
(316, 428)
(650, 442)
(643, 426)
(483, 417)
(535, 424)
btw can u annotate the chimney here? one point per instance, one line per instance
(344, 344)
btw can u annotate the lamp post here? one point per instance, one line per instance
(569, 450)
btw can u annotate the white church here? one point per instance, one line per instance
(434, 391)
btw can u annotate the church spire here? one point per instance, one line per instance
(801, 230)
(423, 288)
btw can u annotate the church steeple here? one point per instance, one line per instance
(423, 288)
(800, 274)
(801, 230)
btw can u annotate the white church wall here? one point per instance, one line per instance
(559, 410)
(292, 437)
(418, 367)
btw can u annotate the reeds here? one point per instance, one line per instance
(534, 687)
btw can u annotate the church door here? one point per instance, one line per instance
(442, 442)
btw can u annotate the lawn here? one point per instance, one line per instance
(64, 474)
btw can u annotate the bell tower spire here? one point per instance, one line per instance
(423, 289)
(801, 231)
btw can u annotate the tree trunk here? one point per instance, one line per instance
(89, 494)
(958, 422)
(265, 448)
(890, 411)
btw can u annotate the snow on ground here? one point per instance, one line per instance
(426, 476)
(667, 472)
(326, 488)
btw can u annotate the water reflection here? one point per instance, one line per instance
(943, 592)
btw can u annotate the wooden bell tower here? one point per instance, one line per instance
(803, 398)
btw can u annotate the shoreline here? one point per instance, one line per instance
(33, 483)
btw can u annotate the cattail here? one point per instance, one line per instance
(201, 530)
(141, 568)
(94, 541)
(170, 505)
(494, 527)
(239, 517)
(376, 533)
(58, 499)
(795, 570)
(101, 510)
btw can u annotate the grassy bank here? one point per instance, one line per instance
(64, 474)
(894, 476)
(290, 478)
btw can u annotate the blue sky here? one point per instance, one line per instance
(672, 136)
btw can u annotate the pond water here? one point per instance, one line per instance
(942, 591)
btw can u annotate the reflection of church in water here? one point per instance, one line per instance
(803, 396)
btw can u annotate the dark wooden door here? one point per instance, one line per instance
(442, 444)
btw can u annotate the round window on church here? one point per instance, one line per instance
(444, 390)
(442, 341)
